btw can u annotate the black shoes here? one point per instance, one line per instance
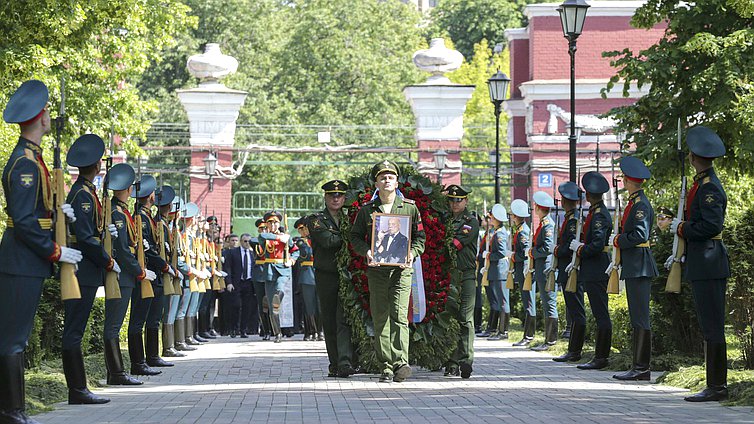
(75, 378)
(386, 378)
(710, 394)
(601, 350)
(716, 363)
(634, 375)
(451, 371)
(116, 376)
(642, 347)
(568, 357)
(466, 370)
(401, 373)
(575, 344)
(346, 371)
(152, 343)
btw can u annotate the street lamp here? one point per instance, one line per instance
(210, 165)
(440, 157)
(572, 16)
(498, 86)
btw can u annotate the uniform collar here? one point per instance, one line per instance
(636, 194)
(88, 184)
(120, 203)
(28, 144)
(706, 173)
(593, 207)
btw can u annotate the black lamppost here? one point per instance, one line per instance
(440, 157)
(572, 16)
(210, 165)
(498, 86)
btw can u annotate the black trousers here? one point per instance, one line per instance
(232, 307)
(76, 316)
(249, 310)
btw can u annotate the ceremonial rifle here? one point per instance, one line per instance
(167, 279)
(613, 284)
(212, 251)
(487, 244)
(550, 285)
(673, 284)
(219, 251)
(146, 285)
(575, 260)
(528, 277)
(69, 284)
(112, 289)
(175, 244)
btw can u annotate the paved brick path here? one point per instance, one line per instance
(237, 381)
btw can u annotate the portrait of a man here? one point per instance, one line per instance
(391, 243)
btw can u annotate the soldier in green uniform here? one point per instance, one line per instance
(27, 250)
(706, 266)
(389, 286)
(637, 263)
(466, 231)
(324, 230)
(86, 154)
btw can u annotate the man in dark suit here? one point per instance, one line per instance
(239, 262)
(392, 246)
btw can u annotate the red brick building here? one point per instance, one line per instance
(539, 105)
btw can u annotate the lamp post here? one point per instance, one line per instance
(498, 86)
(440, 157)
(572, 16)
(210, 165)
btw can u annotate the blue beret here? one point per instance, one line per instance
(85, 151)
(633, 167)
(26, 103)
(147, 186)
(165, 195)
(520, 208)
(704, 142)
(570, 190)
(120, 177)
(595, 183)
(543, 199)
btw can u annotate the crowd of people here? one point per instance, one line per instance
(167, 263)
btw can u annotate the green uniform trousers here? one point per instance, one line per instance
(464, 353)
(389, 291)
(336, 329)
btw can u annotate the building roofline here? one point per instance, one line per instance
(598, 8)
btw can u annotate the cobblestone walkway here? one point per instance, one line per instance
(241, 381)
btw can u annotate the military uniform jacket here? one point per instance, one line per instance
(152, 256)
(520, 243)
(466, 232)
(167, 235)
(706, 255)
(595, 235)
(274, 256)
(562, 251)
(498, 259)
(542, 245)
(27, 248)
(636, 227)
(87, 233)
(361, 232)
(324, 233)
(124, 246)
(184, 255)
(257, 272)
(305, 262)
(482, 247)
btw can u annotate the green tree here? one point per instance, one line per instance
(701, 71)
(468, 22)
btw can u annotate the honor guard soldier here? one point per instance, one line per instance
(120, 180)
(257, 278)
(706, 265)
(637, 264)
(520, 260)
(85, 154)
(542, 245)
(27, 250)
(497, 274)
(493, 319)
(389, 286)
(570, 195)
(279, 256)
(664, 218)
(306, 280)
(324, 230)
(465, 233)
(184, 335)
(592, 249)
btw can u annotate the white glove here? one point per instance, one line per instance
(575, 244)
(669, 261)
(68, 212)
(527, 251)
(167, 246)
(610, 268)
(526, 269)
(145, 243)
(229, 287)
(193, 271)
(206, 274)
(224, 274)
(112, 230)
(569, 268)
(482, 270)
(192, 255)
(69, 255)
(549, 270)
(151, 276)
(674, 225)
(171, 271)
(612, 239)
(284, 237)
(222, 259)
(218, 273)
(116, 267)
(206, 257)
(485, 254)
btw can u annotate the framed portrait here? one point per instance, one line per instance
(391, 239)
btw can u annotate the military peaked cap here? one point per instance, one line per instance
(570, 190)
(259, 222)
(165, 195)
(178, 204)
(498, 212)
(147, 186)
(334, 186)
(520, 208)
(85, 151)
(27, 102)
(704, 142)
(301, 222)
(383, 167)
(662, 210)
(633, 167)
(595, 183)
(457, 193)
(543, 199)
(273, 214)
(192, 209)
(120, 177)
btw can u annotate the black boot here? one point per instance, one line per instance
(601, 350)
(551, 335)
(477, 320)
(180, 336)
(195, 328)
(490, 320)
(505, 325)
(275, 324)
(716, 361)
(575, 344)
(116, 376)
(168, 342)
(75, 378)
(204, 327)
(529, 325)
(190, 340)
(495, 318)
(152, 343)
(136, 351)
(12, 390)
(642, 348)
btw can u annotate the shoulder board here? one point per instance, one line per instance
(705, 180)
(597, 210)
(409, 201)
(637, 200)
(467, 217)
(30, 154)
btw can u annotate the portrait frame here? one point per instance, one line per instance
(395, 252)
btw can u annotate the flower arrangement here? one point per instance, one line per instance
(434, 339)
